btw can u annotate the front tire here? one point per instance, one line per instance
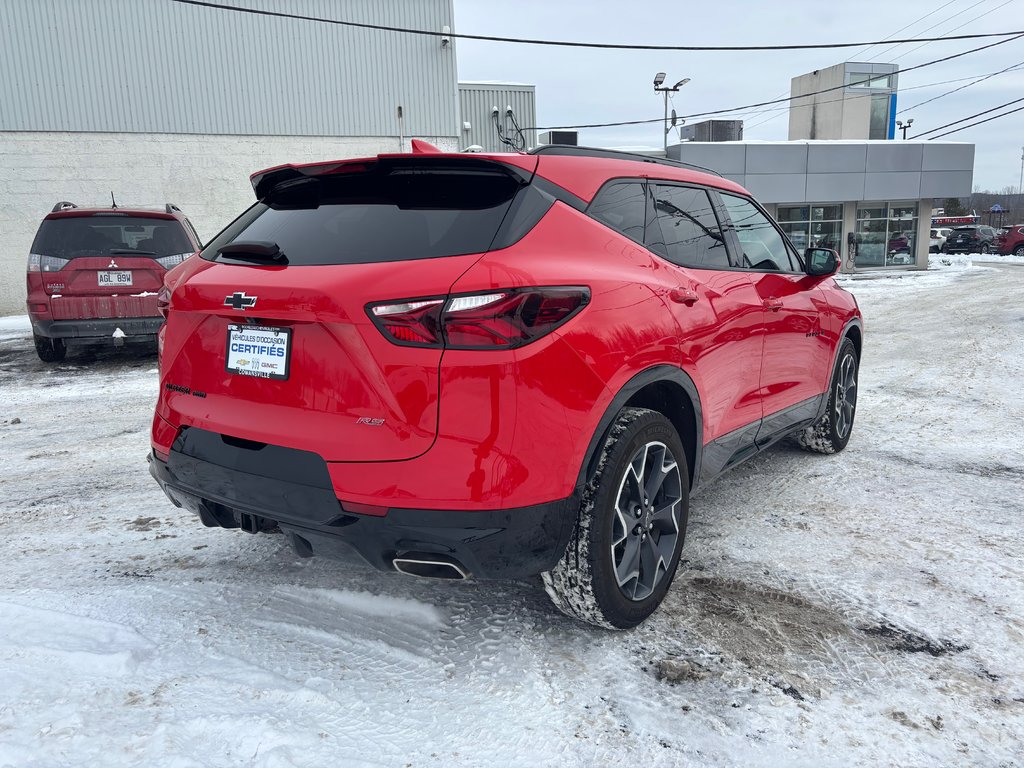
(1019, 250)
(49, 350)
(985, 248)
(629, 534)
(832, 431)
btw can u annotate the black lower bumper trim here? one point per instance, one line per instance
(99, 329)
(508, 543)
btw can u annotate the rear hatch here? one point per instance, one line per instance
(962, 237)
(275, 333)
(107, 264)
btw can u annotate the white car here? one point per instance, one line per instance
(937, 239)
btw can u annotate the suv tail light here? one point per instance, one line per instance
(163, 301)
(39, 263)
(494, 320)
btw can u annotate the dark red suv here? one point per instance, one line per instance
(94, 274)
(495, 365)
(1011, 240)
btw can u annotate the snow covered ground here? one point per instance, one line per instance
(861, 609)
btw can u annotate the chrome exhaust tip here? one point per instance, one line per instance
(430, 567)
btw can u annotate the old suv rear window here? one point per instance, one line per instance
(110, 234)
(385, 214)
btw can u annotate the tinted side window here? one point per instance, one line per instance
(685, 230)
(620, 205)
(762, 244)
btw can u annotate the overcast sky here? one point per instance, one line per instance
(592, 86)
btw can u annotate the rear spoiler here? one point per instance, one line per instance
(521, 167)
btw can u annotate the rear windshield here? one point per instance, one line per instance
(396, 214)
(109, 235)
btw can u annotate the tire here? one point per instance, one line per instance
(832, 431)
(586, 582)
(985, 248)
(49, 350)
(1019, 250)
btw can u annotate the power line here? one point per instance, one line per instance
(986, 120)
(947, 93)
(986, 13)
(933, 26)
(782, 110)
(576, 44)
(764, 103)
(969, 117)
(908, 26)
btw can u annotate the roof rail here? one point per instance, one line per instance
(172, 208)
(63, 205)
(569, 150)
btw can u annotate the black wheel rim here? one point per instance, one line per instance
(846, 396)
(646, 526)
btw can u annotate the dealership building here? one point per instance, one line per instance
(842, 181)
(870, 200)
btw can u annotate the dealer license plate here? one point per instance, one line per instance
(108, 279)
(258, 350)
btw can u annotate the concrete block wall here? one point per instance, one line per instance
(206, 176)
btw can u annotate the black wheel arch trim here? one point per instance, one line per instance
(853, 322)
(653, 375)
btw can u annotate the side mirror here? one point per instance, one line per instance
(820, 262)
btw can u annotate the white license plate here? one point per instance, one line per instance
(114, 278)
(258, 350)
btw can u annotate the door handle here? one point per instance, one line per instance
(681, 295)
(773, 305)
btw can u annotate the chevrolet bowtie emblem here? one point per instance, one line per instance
(239, 300)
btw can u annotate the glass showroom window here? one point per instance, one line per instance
(813, 226)
(886, 235)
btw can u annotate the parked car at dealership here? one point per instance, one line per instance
(976, 238)
(495, 365)
(937, 239)
(94, 274)
(1011, 240)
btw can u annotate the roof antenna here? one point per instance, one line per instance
(113, 203)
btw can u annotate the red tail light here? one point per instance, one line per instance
(163, 301)
(503, 319)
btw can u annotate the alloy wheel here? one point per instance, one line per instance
(846, 395)
(646, 525)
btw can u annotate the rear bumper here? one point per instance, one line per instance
(291, 491)
(100, 329)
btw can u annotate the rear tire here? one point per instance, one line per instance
(629, 534)
(832, 431)
(49, 350)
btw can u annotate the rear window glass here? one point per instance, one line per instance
(110, 235)
(393, 214)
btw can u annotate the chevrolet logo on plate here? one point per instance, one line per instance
(239, 301)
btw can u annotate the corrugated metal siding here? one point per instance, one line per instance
(154, 66)
(476, 102)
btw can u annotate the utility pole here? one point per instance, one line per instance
(658, 80)
(904, 126)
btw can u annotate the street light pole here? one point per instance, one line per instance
(666, 90)
(904, 126)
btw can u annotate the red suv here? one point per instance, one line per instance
(94, 274)
(1011, 241)
(495, 365)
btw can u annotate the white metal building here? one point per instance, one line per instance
(160, 101)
